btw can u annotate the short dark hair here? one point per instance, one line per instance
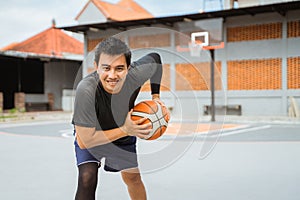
(112, 46)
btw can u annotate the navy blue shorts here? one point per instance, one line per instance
(117, 156)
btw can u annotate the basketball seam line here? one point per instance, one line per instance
(160, 125)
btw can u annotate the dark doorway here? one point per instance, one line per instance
(19, 75)
(32, 77)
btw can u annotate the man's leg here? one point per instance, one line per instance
(135, 185)
(87, 181)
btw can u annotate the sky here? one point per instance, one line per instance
(22, 19)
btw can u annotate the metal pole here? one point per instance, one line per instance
(212, 84)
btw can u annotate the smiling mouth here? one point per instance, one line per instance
(113, 82)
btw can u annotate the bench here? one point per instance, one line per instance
(37, 106)
(235, 109)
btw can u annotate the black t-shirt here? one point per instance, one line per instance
(94, 107)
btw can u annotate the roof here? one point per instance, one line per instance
(280, 8)
(46, 58)
(51, 42)
(122, 11)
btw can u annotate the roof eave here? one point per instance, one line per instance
(280, 8)
(42, 57)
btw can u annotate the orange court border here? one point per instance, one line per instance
(186, 129)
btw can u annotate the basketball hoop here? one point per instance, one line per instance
(203, 35)
(199, 41)
(195, 45)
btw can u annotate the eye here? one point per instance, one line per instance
(119, 68)
(105, 68)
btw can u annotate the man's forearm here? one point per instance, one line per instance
(89, 137)
(155, 80)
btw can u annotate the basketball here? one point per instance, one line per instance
(155, 113)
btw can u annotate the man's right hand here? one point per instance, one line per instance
(136, 128)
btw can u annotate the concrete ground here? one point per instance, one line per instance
(42, 167)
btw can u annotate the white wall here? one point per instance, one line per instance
(61, 75)
(91, 15)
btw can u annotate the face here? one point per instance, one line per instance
(112, 72)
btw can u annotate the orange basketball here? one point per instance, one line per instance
(155, 113)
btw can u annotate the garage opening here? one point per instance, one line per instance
(19, 75)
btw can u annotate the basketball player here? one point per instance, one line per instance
(103, 126)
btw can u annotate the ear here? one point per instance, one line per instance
(95, 66)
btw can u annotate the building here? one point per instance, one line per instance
(38, 71)
(97, 11)
(257, 71)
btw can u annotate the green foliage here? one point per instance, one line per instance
(13, 111)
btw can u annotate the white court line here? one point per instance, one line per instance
(31, 123)
(66, 133)
(236, 132)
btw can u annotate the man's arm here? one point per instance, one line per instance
(155, 76)
(146, 68)
(89, 137)
(155, 80)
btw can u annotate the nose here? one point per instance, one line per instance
(112, 73)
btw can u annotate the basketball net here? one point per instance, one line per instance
(195, 48)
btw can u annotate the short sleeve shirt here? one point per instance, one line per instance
(94, 107)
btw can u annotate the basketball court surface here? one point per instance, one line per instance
(244, 161)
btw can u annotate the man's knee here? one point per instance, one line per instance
(86, 179)
(87, 176)
(131, 178)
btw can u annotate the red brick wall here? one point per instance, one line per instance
(147, 41)
(293, 29)
(262, 31)
(189, 76)
(293, 75)
(196, 76)
(20, 101)
(263, 74)
(139, 41)
(254, 32)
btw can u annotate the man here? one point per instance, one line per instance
(103, 126)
